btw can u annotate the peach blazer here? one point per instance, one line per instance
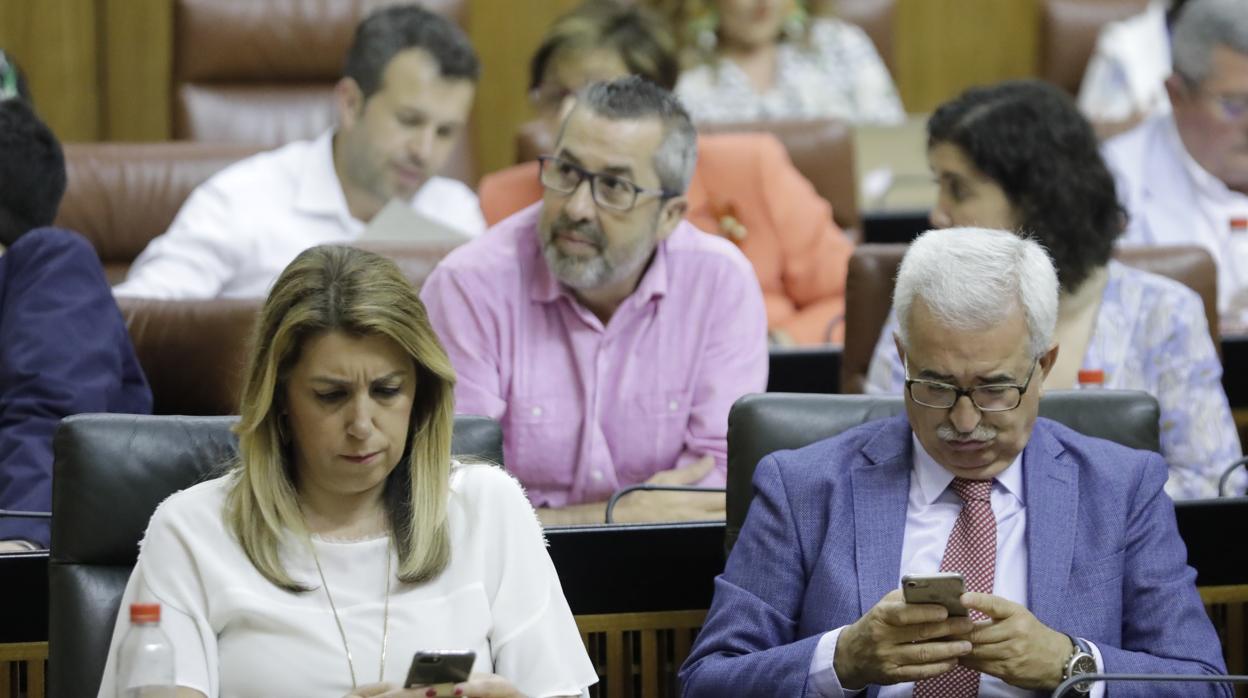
(745, 189)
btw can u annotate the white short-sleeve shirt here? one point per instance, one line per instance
(236, 634)
(238, 230)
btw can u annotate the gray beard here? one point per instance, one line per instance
(605, 268)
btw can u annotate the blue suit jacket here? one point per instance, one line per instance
(822, 544)
(64, 349)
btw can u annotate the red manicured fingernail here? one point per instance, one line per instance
(431, 692)
(459, 691)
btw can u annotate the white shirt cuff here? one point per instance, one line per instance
(822, 680)
(1098, 688)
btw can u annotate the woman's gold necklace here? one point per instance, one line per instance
(385, 619)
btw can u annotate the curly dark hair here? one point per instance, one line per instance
(1029, 138)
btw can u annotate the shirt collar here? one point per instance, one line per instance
(1205, 182)
(546, 288)
(319, 190)
(934, 479)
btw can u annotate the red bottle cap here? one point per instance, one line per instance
(1091, 375)
(144, 613)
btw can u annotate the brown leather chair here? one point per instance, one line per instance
(1068, 32)
(263, 72)
(121, 195)
(194, 353)
(873, 270)
(876, 17)
(822, 150)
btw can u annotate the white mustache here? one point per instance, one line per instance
(946, 432)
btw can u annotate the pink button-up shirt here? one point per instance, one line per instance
(587, 408)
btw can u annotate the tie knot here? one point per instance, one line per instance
(972, 490)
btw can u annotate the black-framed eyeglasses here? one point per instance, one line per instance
(997, 397)
(609, 191)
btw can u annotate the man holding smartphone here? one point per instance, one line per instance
(1067, 544)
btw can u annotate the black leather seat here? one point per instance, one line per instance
(111, 471)
(769, 422)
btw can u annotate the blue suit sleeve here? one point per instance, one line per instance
(63, 350)
(1165, 629)
(749, 644)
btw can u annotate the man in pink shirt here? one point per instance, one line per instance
(608, 335)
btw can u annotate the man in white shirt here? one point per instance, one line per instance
(401, 105)
(1183, 177)
(1068, 544)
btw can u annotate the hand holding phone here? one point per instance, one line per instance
(944, 588)
(440, 669)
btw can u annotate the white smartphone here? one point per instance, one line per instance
(440, 669)
(944, 588)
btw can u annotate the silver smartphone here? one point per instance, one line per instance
(440, 669)
(944, 588)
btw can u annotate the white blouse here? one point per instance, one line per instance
(236, 634)
(840, 75)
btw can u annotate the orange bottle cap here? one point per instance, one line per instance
(144, 613)
(1091, 375)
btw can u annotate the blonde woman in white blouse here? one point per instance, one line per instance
(766, 60)
(345, 539)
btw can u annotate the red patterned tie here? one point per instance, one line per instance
(971, 550)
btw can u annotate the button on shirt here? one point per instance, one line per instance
(588, 408)
(931, 511)
(238, 231)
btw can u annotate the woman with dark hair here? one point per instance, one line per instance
(1019, 156)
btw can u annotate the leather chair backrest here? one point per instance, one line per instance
(877, 19)
(764, 423)
(873, 271)
(121, 195)
(263, 72)
(1068, 33)
(194, 353)
(822, 150)
(111, 471)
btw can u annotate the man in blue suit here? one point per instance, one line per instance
(1068, 544)
(64, 348)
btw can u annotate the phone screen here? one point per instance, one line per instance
(440, 668)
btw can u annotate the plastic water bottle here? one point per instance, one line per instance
(145, 667)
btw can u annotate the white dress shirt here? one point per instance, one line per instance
(931, 511)
(236, 634)
(1171, 200)
(1126, 75)
(238, 231)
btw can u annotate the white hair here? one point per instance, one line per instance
(1202, 25)
(971, 279)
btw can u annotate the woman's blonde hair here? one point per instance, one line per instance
(326, 289)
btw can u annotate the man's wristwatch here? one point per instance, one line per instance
(1081, 662)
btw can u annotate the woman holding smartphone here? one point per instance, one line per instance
(344, 539)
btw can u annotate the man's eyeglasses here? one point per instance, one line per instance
(609, 191)
(998, 397)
